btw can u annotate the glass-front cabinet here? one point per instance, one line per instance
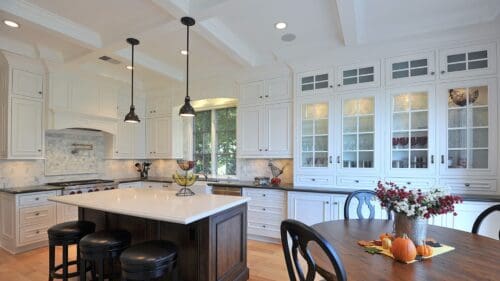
(411, 138)
(314, 82)
(469, 126)
(358, 76)
(314, 138)
(358, 141)
(410, 69)
(466, 61)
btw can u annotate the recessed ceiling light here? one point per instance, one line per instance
(129, 67)
(280, 25)
(184, 52)
(11, 23)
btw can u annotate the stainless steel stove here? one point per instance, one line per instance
(85, 186)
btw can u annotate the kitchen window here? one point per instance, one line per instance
(214, 141)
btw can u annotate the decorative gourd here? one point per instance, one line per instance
(386, 235)
(424, 250)
(403, 249)
(386, 243)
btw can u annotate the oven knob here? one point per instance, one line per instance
(111, 188)
(79, 192)
(97, 189)
(71, 193)
(106, 188)
(90, 190)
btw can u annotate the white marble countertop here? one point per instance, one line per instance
(154, 203)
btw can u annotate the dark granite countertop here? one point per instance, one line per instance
(29, 189)
(152, 179)
(291, 187)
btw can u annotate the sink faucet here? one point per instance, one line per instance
(205, 174)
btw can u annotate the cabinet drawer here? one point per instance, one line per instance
(266, 217)
(32, 234)
(40, 215)
(314, 180)
(36, 198)
(473, 185)
(413, 183)
(265, 197)
(276, 210)
(357, 182)
(264, 229)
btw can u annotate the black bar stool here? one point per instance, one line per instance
(64, 235)
(100, 247)
(149, 260)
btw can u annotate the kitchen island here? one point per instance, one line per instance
(209, 230)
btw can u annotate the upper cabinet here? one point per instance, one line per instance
(410, 69)
(265, 91)
(21, 108)
(358, 76)
(411, 142)
(28, 84)
(468, 118)
(159, 106)
(314, 82)
(467, 61)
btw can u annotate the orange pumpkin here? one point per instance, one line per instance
(424, 250)
(386, 235)
(403, 249)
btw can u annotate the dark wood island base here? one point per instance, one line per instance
(210, 249)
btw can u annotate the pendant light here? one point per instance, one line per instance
(187, 110)
(131, 117)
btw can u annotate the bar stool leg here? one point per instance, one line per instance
(65, 262)
(83, 273)
(78, 259)
(52, 260)
(100, 269)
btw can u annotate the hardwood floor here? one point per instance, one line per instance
(265, 261)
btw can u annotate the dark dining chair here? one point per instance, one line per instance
(364, 197)
(300, 236)
(482, 216)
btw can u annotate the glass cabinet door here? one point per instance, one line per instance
(358, 133)
(410, 131)
(468, 128)
(314, 135)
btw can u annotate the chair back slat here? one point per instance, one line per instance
(301, 235)
(482, 217)
(364, 197)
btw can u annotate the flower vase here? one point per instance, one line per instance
(415, 228)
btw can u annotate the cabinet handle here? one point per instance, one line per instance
(39, 150)
(40, 92)
(432, 159)
(330, 159)
(263, 209)
(443, 72)
(356, 181)
(338, 159)
(467, 184)
(264, 195)
(267, 96)
(432, 73)
(116, 151)
(37, 214)
(331, 86)
(408, 182)
(326, 202)
(266, 149)
(260, 97)
(335, 203)
(36, 199)
(260, 149)
(442, 159)
(313, 179)
(38, 232)
(338, 85)
(263, 226)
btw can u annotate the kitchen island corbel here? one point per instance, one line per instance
(209, 230)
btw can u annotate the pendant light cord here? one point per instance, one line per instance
(132, 103)
(187, 64)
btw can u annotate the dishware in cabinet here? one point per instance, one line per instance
(314, 82)
(358, 76)
(411, 141)
(357, 145)
(467, 61)
(314, 136)
(410, 69)
(468, 118)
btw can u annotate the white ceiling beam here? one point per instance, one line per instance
(213, 30)
(75, 32)
(346, 10)
(18, 47)
(151, 63)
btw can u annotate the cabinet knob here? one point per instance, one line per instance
(36, 199)
(432, 159)
(356, 181)
(260, 149)
(39, 150)
(38, 232)
(338, 159)
(408, 182)
(260, 97)
(37, 214)
(267, 96)
(335, 203)
(443, 72)
(326, 202)
(331, 86)
(266, 149)
(432, 73)
(264, 195)
(338, 85)
(263, 209)
(116, 151)
(263, 226)
(467, 184)
(313, 179)
(40, 92)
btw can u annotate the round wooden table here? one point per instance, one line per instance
(474, 258)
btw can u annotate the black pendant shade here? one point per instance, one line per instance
(132, 117)
(187, 110)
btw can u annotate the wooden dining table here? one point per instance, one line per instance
(475, 257)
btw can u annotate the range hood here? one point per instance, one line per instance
(59, 120)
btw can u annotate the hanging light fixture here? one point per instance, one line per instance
(131, 117)
(187, 110)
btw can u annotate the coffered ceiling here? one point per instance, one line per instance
(230, 35)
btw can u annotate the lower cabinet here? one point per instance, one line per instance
(312, 208)
(266, 210)
(25, 219)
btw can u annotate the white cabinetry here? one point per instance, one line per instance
(358, 76)
(159, 138)
(410, 69)
(270, 90)
(266, 210)
(312, 208)
(265, 130)
(158, 106)
(467, 61)
(25, 219)
(21, 108)
(314, 82)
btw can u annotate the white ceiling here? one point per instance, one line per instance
(230, 35)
